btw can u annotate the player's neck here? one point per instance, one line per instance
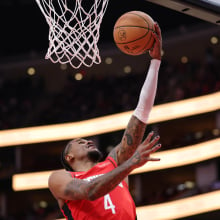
(83, 165)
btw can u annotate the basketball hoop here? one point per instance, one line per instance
(73, 30)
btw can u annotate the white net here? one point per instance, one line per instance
(73, 30)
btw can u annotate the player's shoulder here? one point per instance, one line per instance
(59, 174)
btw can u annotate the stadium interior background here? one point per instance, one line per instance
(34, 91)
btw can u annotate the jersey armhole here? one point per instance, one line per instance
(115, 165)
(112, 161)
(72, 174)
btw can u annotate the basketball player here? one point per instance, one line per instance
(93, 190)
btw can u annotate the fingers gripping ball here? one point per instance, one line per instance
(133, 33)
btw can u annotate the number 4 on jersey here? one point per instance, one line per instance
(108, 203)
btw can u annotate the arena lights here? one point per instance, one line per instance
(214, 40)
(78, 76)
(183, 156)
(31, 71)
(127, 69)
(170, 158)
(184, 59)
(108, 60)
(66, 131)
(181, 208)
(63, 66)
(30, 181)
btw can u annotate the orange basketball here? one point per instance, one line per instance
(133, 33)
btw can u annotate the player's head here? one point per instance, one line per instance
(79, 150)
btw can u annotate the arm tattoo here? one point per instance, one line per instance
(76, 189)
(106, 183)
(132, 138)
(136, 158)
(129, 139)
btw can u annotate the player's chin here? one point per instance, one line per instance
(95, 150)
(95, 155)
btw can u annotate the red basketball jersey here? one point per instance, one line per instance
(116, 205)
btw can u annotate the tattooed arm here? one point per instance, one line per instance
(64, 187)
(130, 140)
(136, 127)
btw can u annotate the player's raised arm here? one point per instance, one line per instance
(136, 127)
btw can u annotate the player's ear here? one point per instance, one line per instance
(69, 157)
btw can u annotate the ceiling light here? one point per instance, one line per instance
(31, 71)
(214, 40)
(184, 59)
(78, 76)
(108, 60)
(63, 66)
(127, 69)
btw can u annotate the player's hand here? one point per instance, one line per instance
(156, 50)
(144, 150)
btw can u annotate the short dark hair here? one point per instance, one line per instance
(63, 159)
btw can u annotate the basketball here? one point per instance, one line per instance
(133, 33)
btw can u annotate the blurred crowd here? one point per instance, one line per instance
(25, 102)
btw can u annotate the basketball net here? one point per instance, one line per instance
(73, 30)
